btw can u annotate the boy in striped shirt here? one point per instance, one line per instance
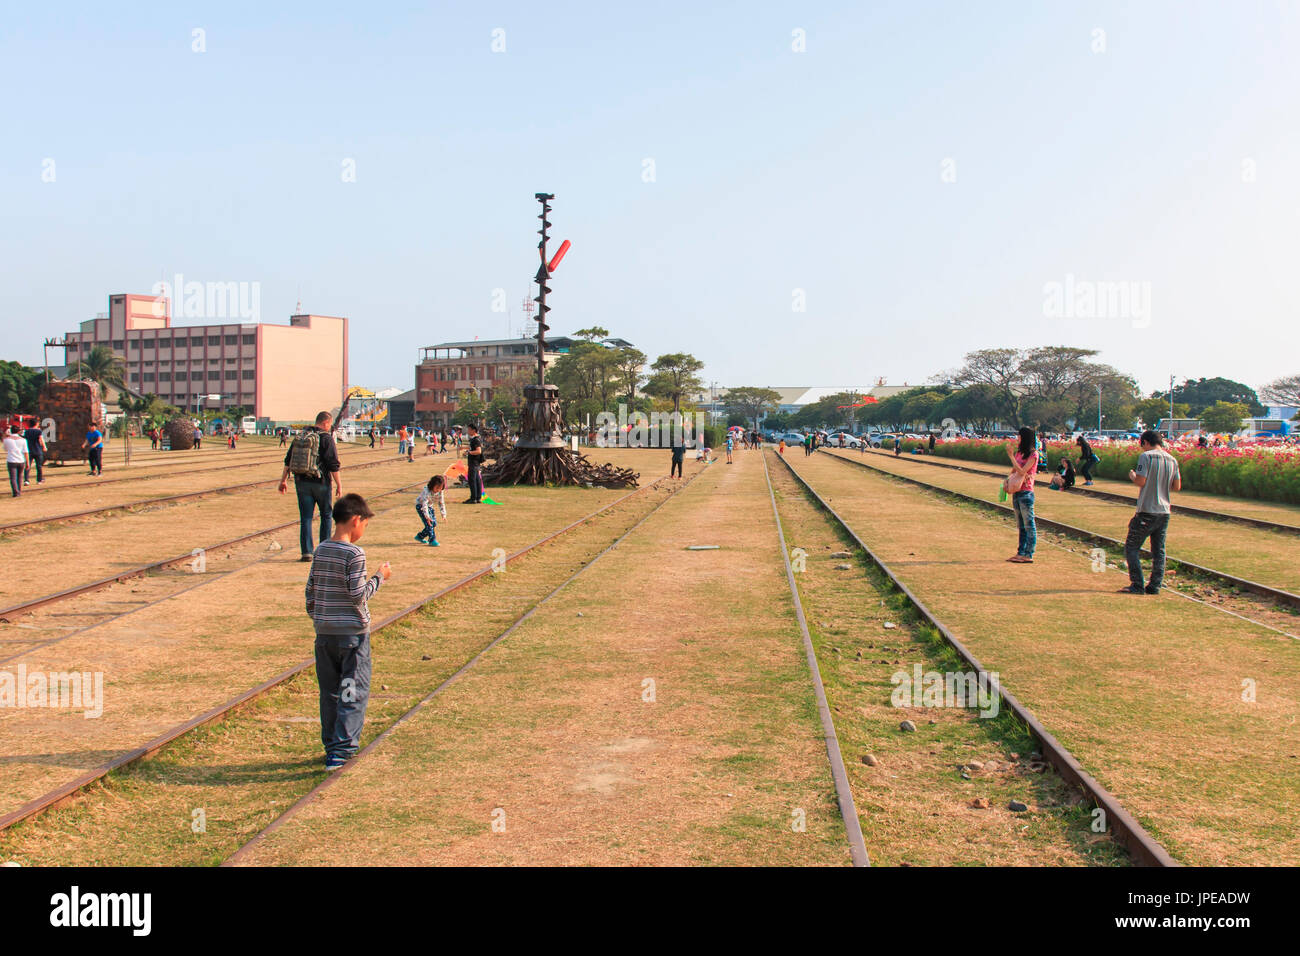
(338, 593)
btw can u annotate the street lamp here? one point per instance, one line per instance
(1099, 411)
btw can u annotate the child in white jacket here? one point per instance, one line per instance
(431, 492)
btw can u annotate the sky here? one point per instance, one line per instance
(796, 193)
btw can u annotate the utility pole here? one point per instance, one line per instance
(1098, 411)
(1171, 408)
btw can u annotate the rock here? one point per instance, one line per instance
(979, 803)
(426, 657)
(933, 722)
(907, 727)
(274, 546)
(1015, 806)
(975, 765)
(840, 554)
(859, 657)
(890, 625)
(870, 760)
(383, 687)
(579, 614)
(843, 567)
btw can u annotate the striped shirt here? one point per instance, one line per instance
(337, 589)
(1161, 471)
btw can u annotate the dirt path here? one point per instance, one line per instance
(552, 738)
(1146, 692)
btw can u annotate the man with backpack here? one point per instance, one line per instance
(313, 460)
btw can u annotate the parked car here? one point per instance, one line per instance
(850, 441)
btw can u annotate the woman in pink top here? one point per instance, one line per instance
(1024, 461)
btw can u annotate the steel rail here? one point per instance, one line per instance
(1287, 598)
(843, 789)
(292, 810)
(1104, 495)
(168, 499)
(67, 791)
(1141, 845)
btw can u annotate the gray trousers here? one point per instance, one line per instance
(343, 672)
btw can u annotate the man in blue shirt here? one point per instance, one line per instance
(94, 445)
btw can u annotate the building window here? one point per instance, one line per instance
(250, 338)
(148, 344)
(247, 374)
(231, 375)
(117, 344)
(147, 377)
(164, 376)
(232, 339)
(232, 361)
(196, 376)
(214, 340)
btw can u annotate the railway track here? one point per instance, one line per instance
(129, 506)
(843, 789)
(204, 579)
(65, 792)
(311, 795)
(1144, 849)
(80, 485)
(8, 614)
(1277, 595)
(1129, 500)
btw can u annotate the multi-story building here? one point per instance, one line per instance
(449, 369)
(283, 373)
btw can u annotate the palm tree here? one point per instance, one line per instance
(101, 366)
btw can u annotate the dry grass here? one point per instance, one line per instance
(551, 727)
(244, 769)
(915, 805)
(1269, 557)
(1276, 511)
(175, 659)
(1146, 692)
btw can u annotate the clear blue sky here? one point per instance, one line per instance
(774, 170)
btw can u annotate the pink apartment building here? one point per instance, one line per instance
(284, 373)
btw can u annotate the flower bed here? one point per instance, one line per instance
(1267, 474)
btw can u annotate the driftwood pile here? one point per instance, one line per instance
(554, 466)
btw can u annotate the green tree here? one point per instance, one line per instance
(100, 365)
(751, 402)
(631, 366)
(1225, 416)
(470, 408)
(1150, 410)
(1201, 393)
(921, 408)
(675, 375)
(20, 387)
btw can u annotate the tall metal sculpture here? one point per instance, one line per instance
(540, 456)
